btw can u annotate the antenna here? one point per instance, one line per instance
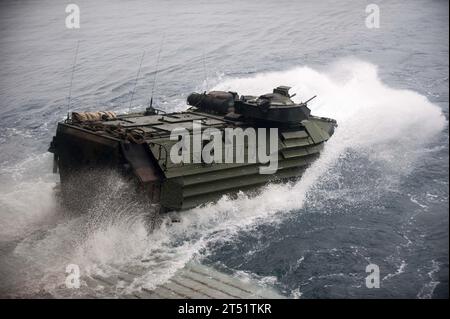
(71, 78)
(204, 70)
(156, 72)
(135, 82)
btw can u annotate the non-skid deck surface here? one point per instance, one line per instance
(194, 281)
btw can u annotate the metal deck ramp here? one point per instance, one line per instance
(194, 281)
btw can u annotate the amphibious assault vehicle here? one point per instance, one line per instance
(160, 150)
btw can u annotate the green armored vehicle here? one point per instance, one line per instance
(222, 144)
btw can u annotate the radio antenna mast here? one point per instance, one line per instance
(156, 72)
(135, 82)
(204, 70)
(71, 79)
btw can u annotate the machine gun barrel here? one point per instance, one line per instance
(306, 102)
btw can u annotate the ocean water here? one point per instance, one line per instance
(378, 194)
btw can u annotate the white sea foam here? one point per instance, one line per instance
(428, 289)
